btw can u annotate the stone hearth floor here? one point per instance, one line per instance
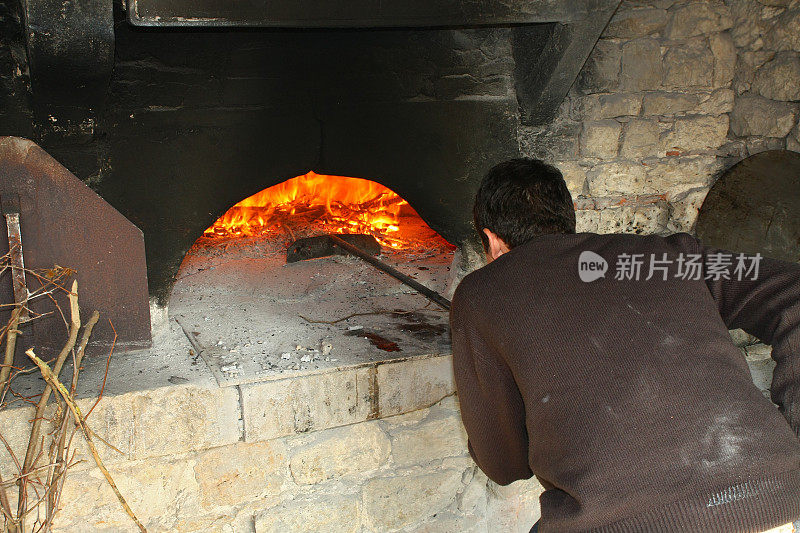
(245, 306)
(259, 318)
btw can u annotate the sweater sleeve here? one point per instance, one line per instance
(765, 303)
(492, 408)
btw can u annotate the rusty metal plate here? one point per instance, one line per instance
(63, 222)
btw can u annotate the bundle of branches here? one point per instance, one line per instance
(40, 475)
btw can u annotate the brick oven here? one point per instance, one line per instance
(318, 395)
(173, 112)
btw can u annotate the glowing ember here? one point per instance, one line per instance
(331, 204)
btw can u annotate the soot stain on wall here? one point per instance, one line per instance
(198, 120)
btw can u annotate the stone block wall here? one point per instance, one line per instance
(409, 472)
(674, 92)
(766, 81)
(197, 457)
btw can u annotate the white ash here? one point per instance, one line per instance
(273, 315)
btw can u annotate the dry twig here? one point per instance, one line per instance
(105, 377)
(11, 344)
(51, 378)
(5, 506)
(59, 448)
(46, 490)
(34, 442)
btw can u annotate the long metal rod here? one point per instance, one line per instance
(432, 295)
(17, 264)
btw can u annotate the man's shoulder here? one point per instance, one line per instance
(675, 241)
(551, 248)
(494, 277)
(480, 286)
(472, 285)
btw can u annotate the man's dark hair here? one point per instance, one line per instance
(521, 199)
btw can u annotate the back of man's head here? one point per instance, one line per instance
(521, 199)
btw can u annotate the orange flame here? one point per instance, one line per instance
(333, 204)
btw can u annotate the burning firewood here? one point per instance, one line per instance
(334, 204)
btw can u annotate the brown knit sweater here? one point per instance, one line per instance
(627, 399)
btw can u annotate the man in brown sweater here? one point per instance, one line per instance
(603, 365)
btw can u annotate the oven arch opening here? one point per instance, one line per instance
(258, 316)
(314, 204)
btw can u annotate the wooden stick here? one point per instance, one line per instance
(105, 375)
(59, 447)
(4, 504)
(33, 444)
(192, 339)
(58, 467)
(50, 377)
(13, 481)
(87, 332)
(59, 489)
(11, 344)
(433, 296)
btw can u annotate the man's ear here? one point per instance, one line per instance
(497, 246)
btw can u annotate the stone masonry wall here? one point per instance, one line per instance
(373, 449)
(766, 81)
(405, 473)
(674, 92)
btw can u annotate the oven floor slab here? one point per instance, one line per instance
(258, 318)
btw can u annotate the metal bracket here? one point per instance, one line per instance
(70, 48)
(11, 210)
